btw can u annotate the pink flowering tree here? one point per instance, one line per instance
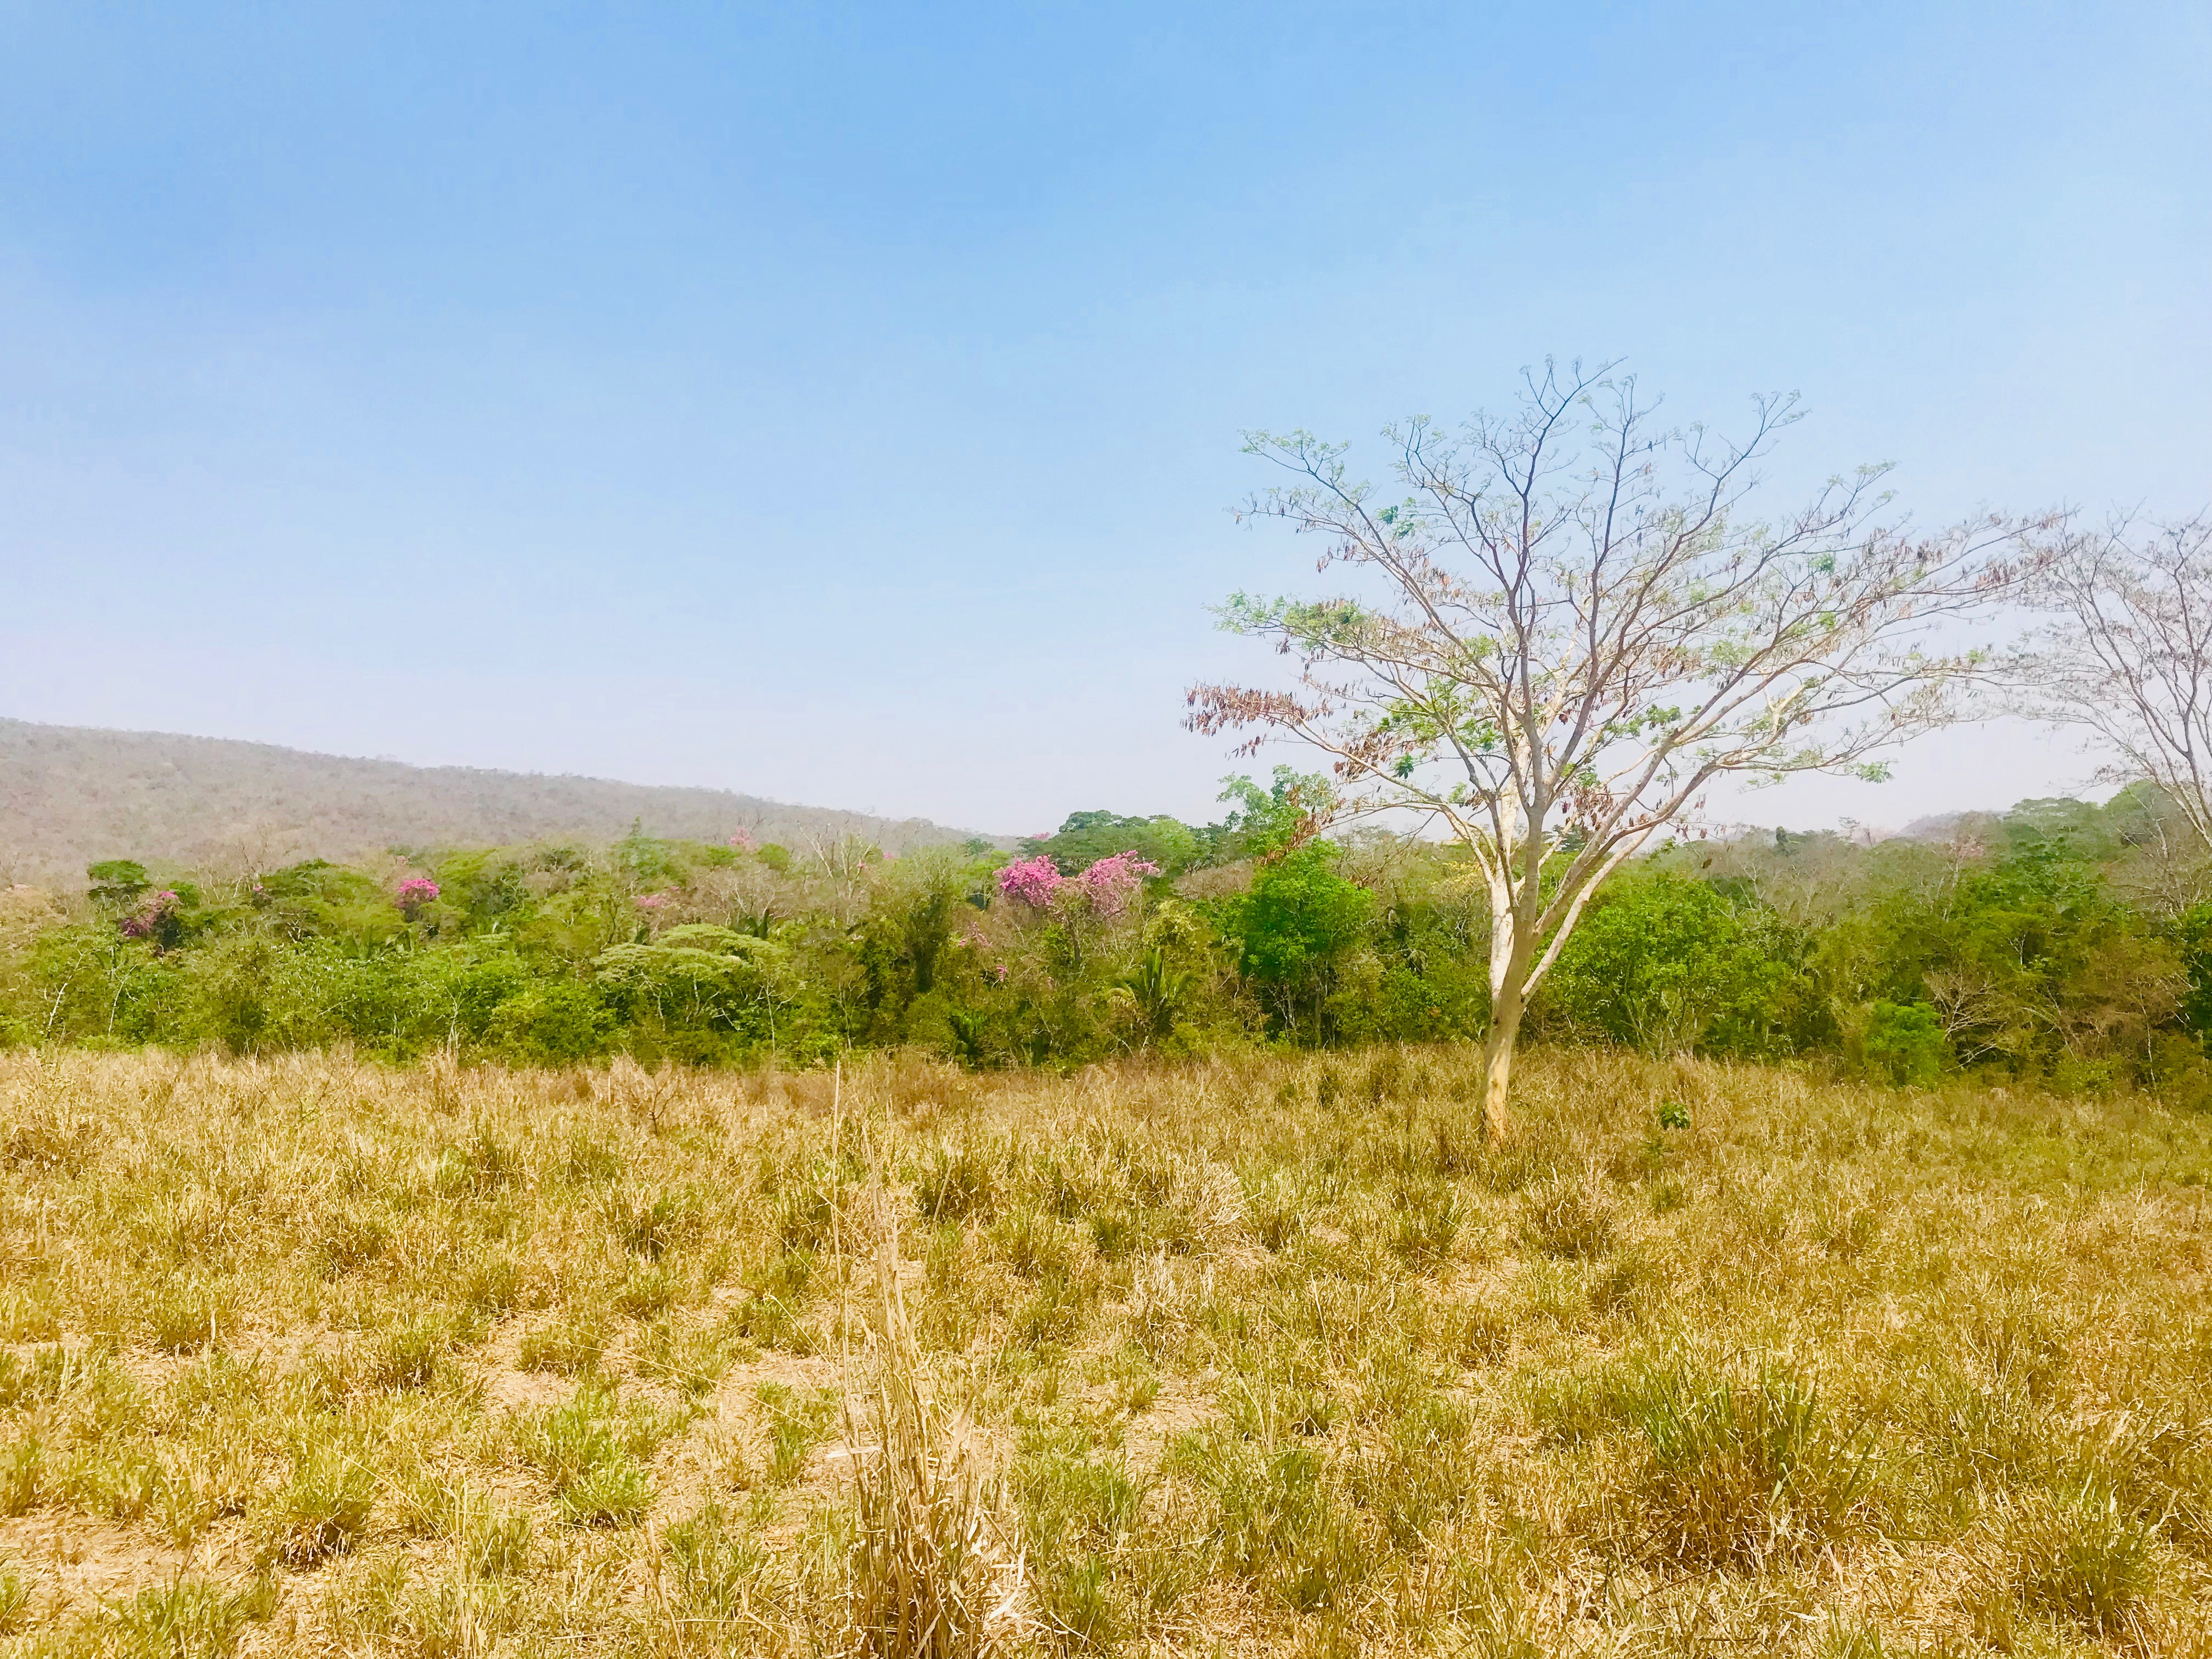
(158, 917)
(1102, 894)
(1033, 881)
(1112, 884)
(1107, 889)
(414, 895)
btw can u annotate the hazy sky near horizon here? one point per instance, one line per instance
(841, 404)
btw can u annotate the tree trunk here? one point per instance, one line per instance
(1511, 955)
(1497, 1059)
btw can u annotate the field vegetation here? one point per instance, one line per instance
(2063, 944)
(1264, 1353)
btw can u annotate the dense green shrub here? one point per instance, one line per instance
(1665, 964)
(1903, 1042)
(1294, 930)
(2061, 942)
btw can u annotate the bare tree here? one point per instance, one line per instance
(1568, 629)
(2128, 654)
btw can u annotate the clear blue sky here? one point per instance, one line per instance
(841, 403)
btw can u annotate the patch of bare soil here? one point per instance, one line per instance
(71, 1562)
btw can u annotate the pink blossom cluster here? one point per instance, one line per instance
(412, 894)
(147, 919)
(744, 842)
(1107, 887)
(1032, 882)
(650, 901)
(1111, 882)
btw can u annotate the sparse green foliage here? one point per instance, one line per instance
(188, 1619)
(2080, 1556)
(324, 1506)
(591, 1452)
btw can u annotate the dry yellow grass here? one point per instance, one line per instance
(1264, 1357)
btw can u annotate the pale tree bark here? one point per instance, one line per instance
(1566, 628)
(1509, 978)
(2129, 658)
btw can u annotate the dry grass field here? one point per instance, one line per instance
(1268, 1356)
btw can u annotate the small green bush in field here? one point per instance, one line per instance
(1904, 1043)
(717, 1566)
(1089, 1508)
(326, 1505)
(2079, 1555)
(1284, 1526)
(648, 1292)
(23, 1465)
(125, 1485)
(1745, 1470)
(590, 1452)
(187, 1619)
(494, 1543)
(796, 1423)
(611, 1494)
(1425, 1222)
(409, 1356)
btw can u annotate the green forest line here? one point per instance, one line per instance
(2063, 943)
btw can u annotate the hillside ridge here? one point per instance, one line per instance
(72, 794)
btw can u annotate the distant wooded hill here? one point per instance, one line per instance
(70, 795)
